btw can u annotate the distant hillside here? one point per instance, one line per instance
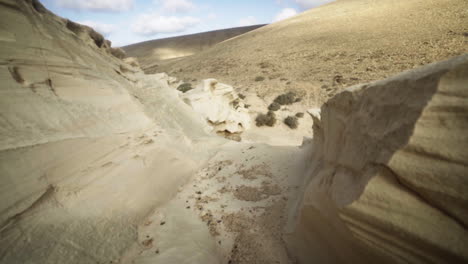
(149, 53)
(319, 52)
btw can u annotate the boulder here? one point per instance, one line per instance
(219, 105)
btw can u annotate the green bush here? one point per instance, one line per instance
(259, 78)
(292, 122)
(268, 119)
(185, 87)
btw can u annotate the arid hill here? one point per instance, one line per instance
(157, 52)
(325, 49)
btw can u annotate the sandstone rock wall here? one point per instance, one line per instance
(390, 172)
(57, 83)
(83, 159)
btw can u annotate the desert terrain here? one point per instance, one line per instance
(153, 53)
(323, 50)
(347, 143)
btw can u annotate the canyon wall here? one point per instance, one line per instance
(83, 160)
(390, 172)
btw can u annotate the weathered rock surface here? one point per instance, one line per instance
(390, 172)
(219, 105)
(84, 156)
(92, 153)
(54, 80)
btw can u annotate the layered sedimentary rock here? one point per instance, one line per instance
(82, 159)
(219, 105)
(390, 172)
(57, 83)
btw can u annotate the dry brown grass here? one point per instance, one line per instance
(334, 46)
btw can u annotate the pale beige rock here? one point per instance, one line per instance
(82, 160)
(389, 170)
(219, 105)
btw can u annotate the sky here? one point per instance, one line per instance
(130, 21)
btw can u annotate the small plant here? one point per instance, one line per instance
(185, 87)
(274, 106)
(259, 78)
(268, 119)
(300, 115)
(286, 99)
(235, 103)
(291, 121)
(241, 96)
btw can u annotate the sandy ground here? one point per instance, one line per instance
(234, 210)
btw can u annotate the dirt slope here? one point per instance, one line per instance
(155, 52)
(325, 49)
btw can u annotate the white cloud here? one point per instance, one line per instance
(97, 5)
(247, 21)
(285, 13)
(104, 29)
(175, 6)
(306, 4)
(152, 24)
(212, 16)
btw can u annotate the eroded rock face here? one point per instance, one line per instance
(389, 172)
(219, 105)
(83, 158)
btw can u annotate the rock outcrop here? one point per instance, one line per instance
(83, 160)
(389, 172)
(219, 105)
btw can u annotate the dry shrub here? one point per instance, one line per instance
(286, 99)
(274, 106)
(185, 87)
(268, 119)
(292, 122)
